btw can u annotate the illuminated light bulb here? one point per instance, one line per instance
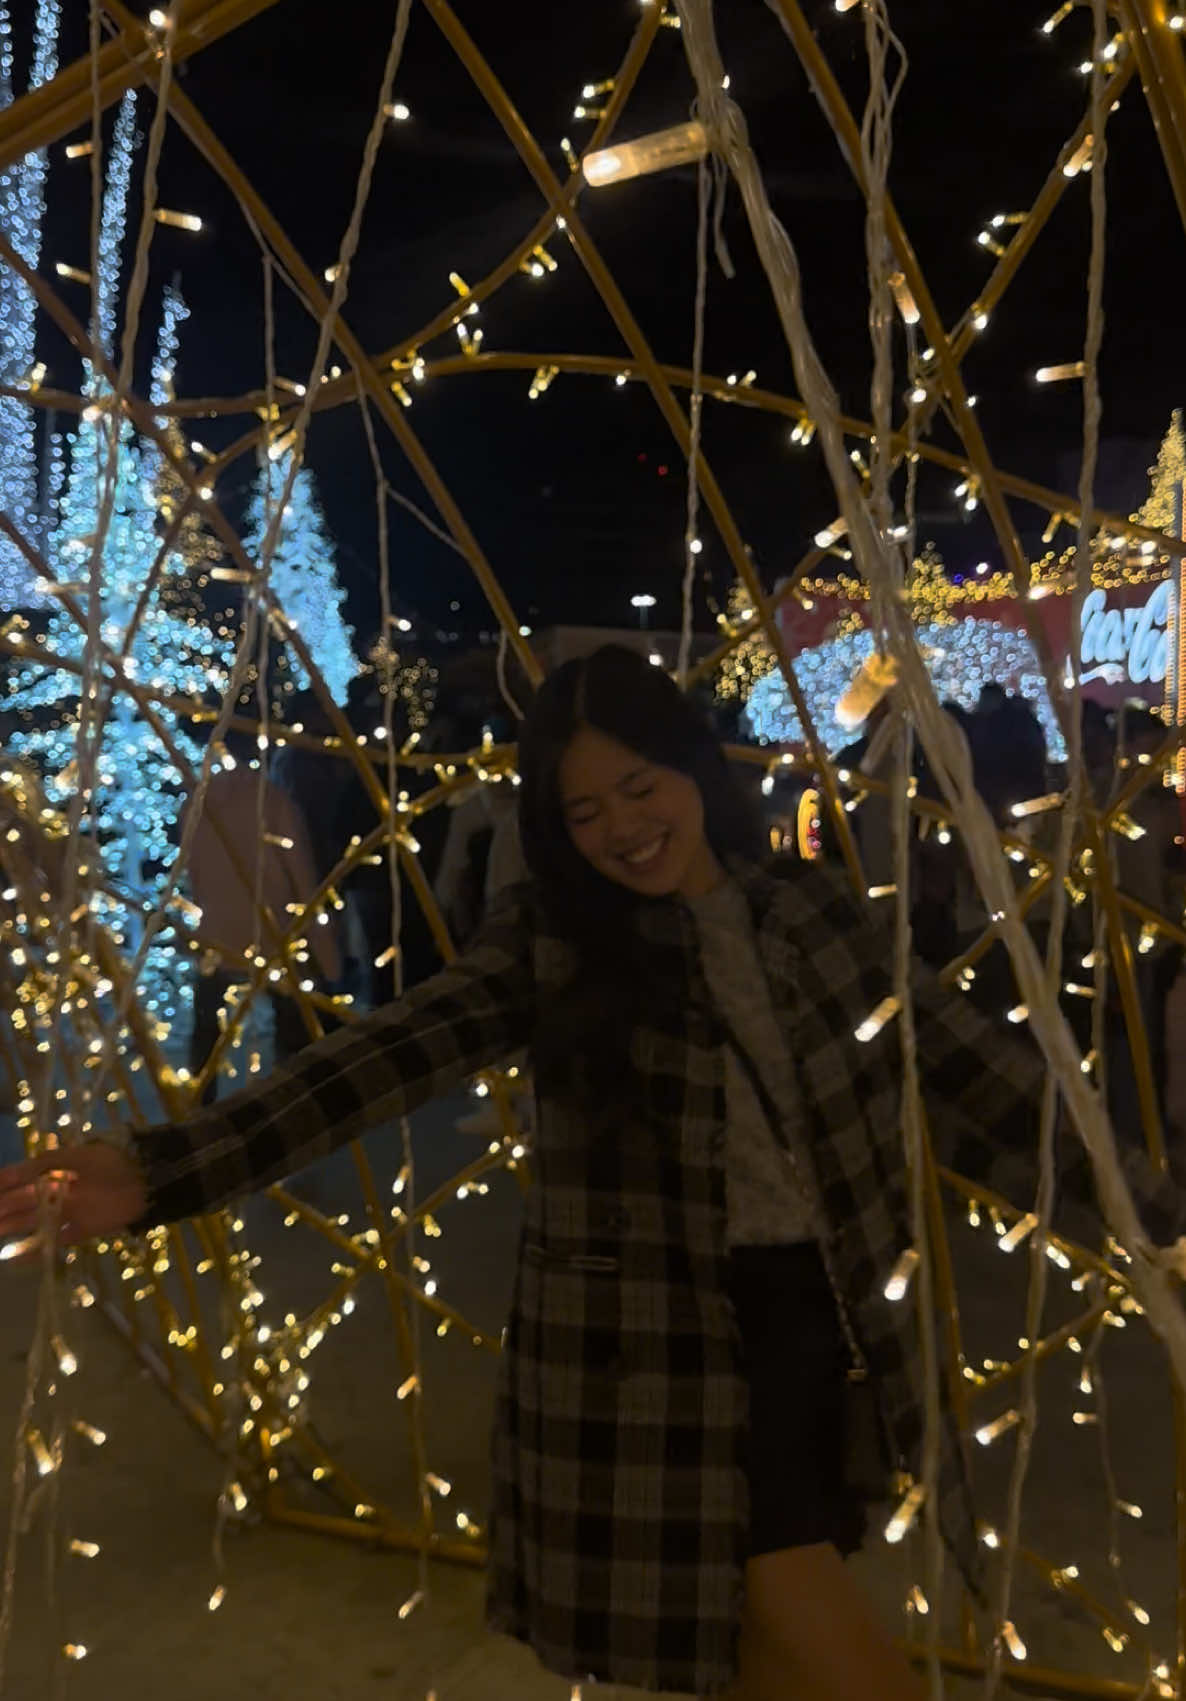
(917, 396)
(75, 1651)
(1178, 21)
(905, 1514)
(904, 299)
(676, 146)
(876, 1020)
(1129, 1509)
(830, 534)
(1012, 1640)
(695, 546)
(410, 1605)
(768, 785)
(407, 1386)
(85, 1550)
(1117, 1640)
(79, 150)
(1036, 805)
(158, 19)
(990, 1537)
(1019, 1013)
(655, 659)
(1056, 374)
(67, 1363)
(75, 274)
(917, 1602)
(399, 110)
(42, 1457)
(179, 221)
(216, 1599)
(990, 1432)
(980, 320)
(1025, 1226)
(621, 379)
(903, 1270)
(881, 891)
(1056, 18)
(1082, 1419)
(1127, 827)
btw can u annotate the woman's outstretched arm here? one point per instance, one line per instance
(464, 1019)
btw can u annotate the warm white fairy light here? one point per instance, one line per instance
(679, 145)
(179, 221)
(905, 1514)
(1010, 1241)
(900, 1276)
(1012, 1640)
(1057, 374)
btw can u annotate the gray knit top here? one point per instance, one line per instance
(771, 1189)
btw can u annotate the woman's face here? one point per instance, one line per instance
(639, 824)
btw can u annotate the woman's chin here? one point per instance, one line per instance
(661, 880)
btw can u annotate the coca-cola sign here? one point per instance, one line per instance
(1126, 642)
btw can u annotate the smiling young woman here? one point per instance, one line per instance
(700, 1333)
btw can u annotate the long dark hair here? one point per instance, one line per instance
(618, 693)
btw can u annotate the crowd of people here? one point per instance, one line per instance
(1023, 788)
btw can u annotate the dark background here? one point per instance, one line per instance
(578, 498)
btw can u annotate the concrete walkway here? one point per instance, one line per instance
(307, 1618)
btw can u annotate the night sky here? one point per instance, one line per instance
(578, 497)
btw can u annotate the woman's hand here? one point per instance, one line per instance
(91, 1189)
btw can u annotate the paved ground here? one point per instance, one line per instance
(311, 1619)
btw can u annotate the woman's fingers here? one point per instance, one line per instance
(21, 1191)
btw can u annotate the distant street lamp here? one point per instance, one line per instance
(643, 604)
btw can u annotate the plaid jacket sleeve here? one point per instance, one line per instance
(982, 1084)
(464, 1019)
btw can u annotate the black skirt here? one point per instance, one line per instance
(796, 1362)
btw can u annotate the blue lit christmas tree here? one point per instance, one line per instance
(22, 207)
(137, 793)
(303, 574)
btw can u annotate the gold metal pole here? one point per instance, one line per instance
(48, 113)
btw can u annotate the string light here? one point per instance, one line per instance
(990, 1432)
(903, 1270)
(179, 221)
(907, 1511)
(877, 1019)
(1057, 374)
(679, 145)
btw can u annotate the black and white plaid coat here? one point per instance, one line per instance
(619, 1523)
